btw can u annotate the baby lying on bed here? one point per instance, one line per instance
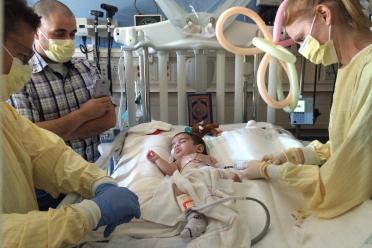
(189, 152)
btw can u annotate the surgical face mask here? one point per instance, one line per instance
(17, 77)
(59, 51)
(312, 50)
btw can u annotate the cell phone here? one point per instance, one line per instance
(101, 88)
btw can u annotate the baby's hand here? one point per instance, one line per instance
(152, 156)
(237, 179)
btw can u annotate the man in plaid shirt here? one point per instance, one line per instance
(59, 96)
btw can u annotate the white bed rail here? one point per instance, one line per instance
(183, 87)
(164, 39)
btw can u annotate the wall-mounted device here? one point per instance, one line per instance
(146, 19)
(85, 27)
(111, 10)
(303, 113)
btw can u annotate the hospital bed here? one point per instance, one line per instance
(237, 142)
(291, 224)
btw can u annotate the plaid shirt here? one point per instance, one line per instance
(49, 95)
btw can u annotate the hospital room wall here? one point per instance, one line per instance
(124, 15)
(127, 8)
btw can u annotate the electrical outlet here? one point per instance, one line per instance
(138, 71)
(168, 71)
(153, 71)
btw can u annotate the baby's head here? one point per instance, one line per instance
(187, 143)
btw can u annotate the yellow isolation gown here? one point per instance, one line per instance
(34, 157)
(345, 178)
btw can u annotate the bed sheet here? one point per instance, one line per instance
(353, 229)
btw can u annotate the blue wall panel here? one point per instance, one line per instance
(126, 8)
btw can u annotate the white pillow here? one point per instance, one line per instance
(134, 165)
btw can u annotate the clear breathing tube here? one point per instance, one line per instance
(205, 207)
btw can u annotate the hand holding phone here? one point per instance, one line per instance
(101, 88)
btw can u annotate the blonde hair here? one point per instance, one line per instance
(349, 12)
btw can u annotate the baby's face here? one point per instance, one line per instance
(183, 145)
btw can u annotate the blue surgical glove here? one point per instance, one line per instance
(118, 205)
(103, 187)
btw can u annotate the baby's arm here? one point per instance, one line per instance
(230, 174)
(165, 167)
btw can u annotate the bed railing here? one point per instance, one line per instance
(200, 86)
(154, 38)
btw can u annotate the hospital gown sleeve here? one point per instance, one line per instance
(62, 227)
(321, 151)
(56, 167)
(345, 179)
(315, 153)
(45, 162)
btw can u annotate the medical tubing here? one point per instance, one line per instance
(97, 44)
(83, 47)
(145, 79)
(302, 76)
(135, 6)
(264, 231)
(109, 40)
(255, 98)
(121, 80)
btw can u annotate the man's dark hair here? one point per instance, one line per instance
(16, 12)
(195, 139)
